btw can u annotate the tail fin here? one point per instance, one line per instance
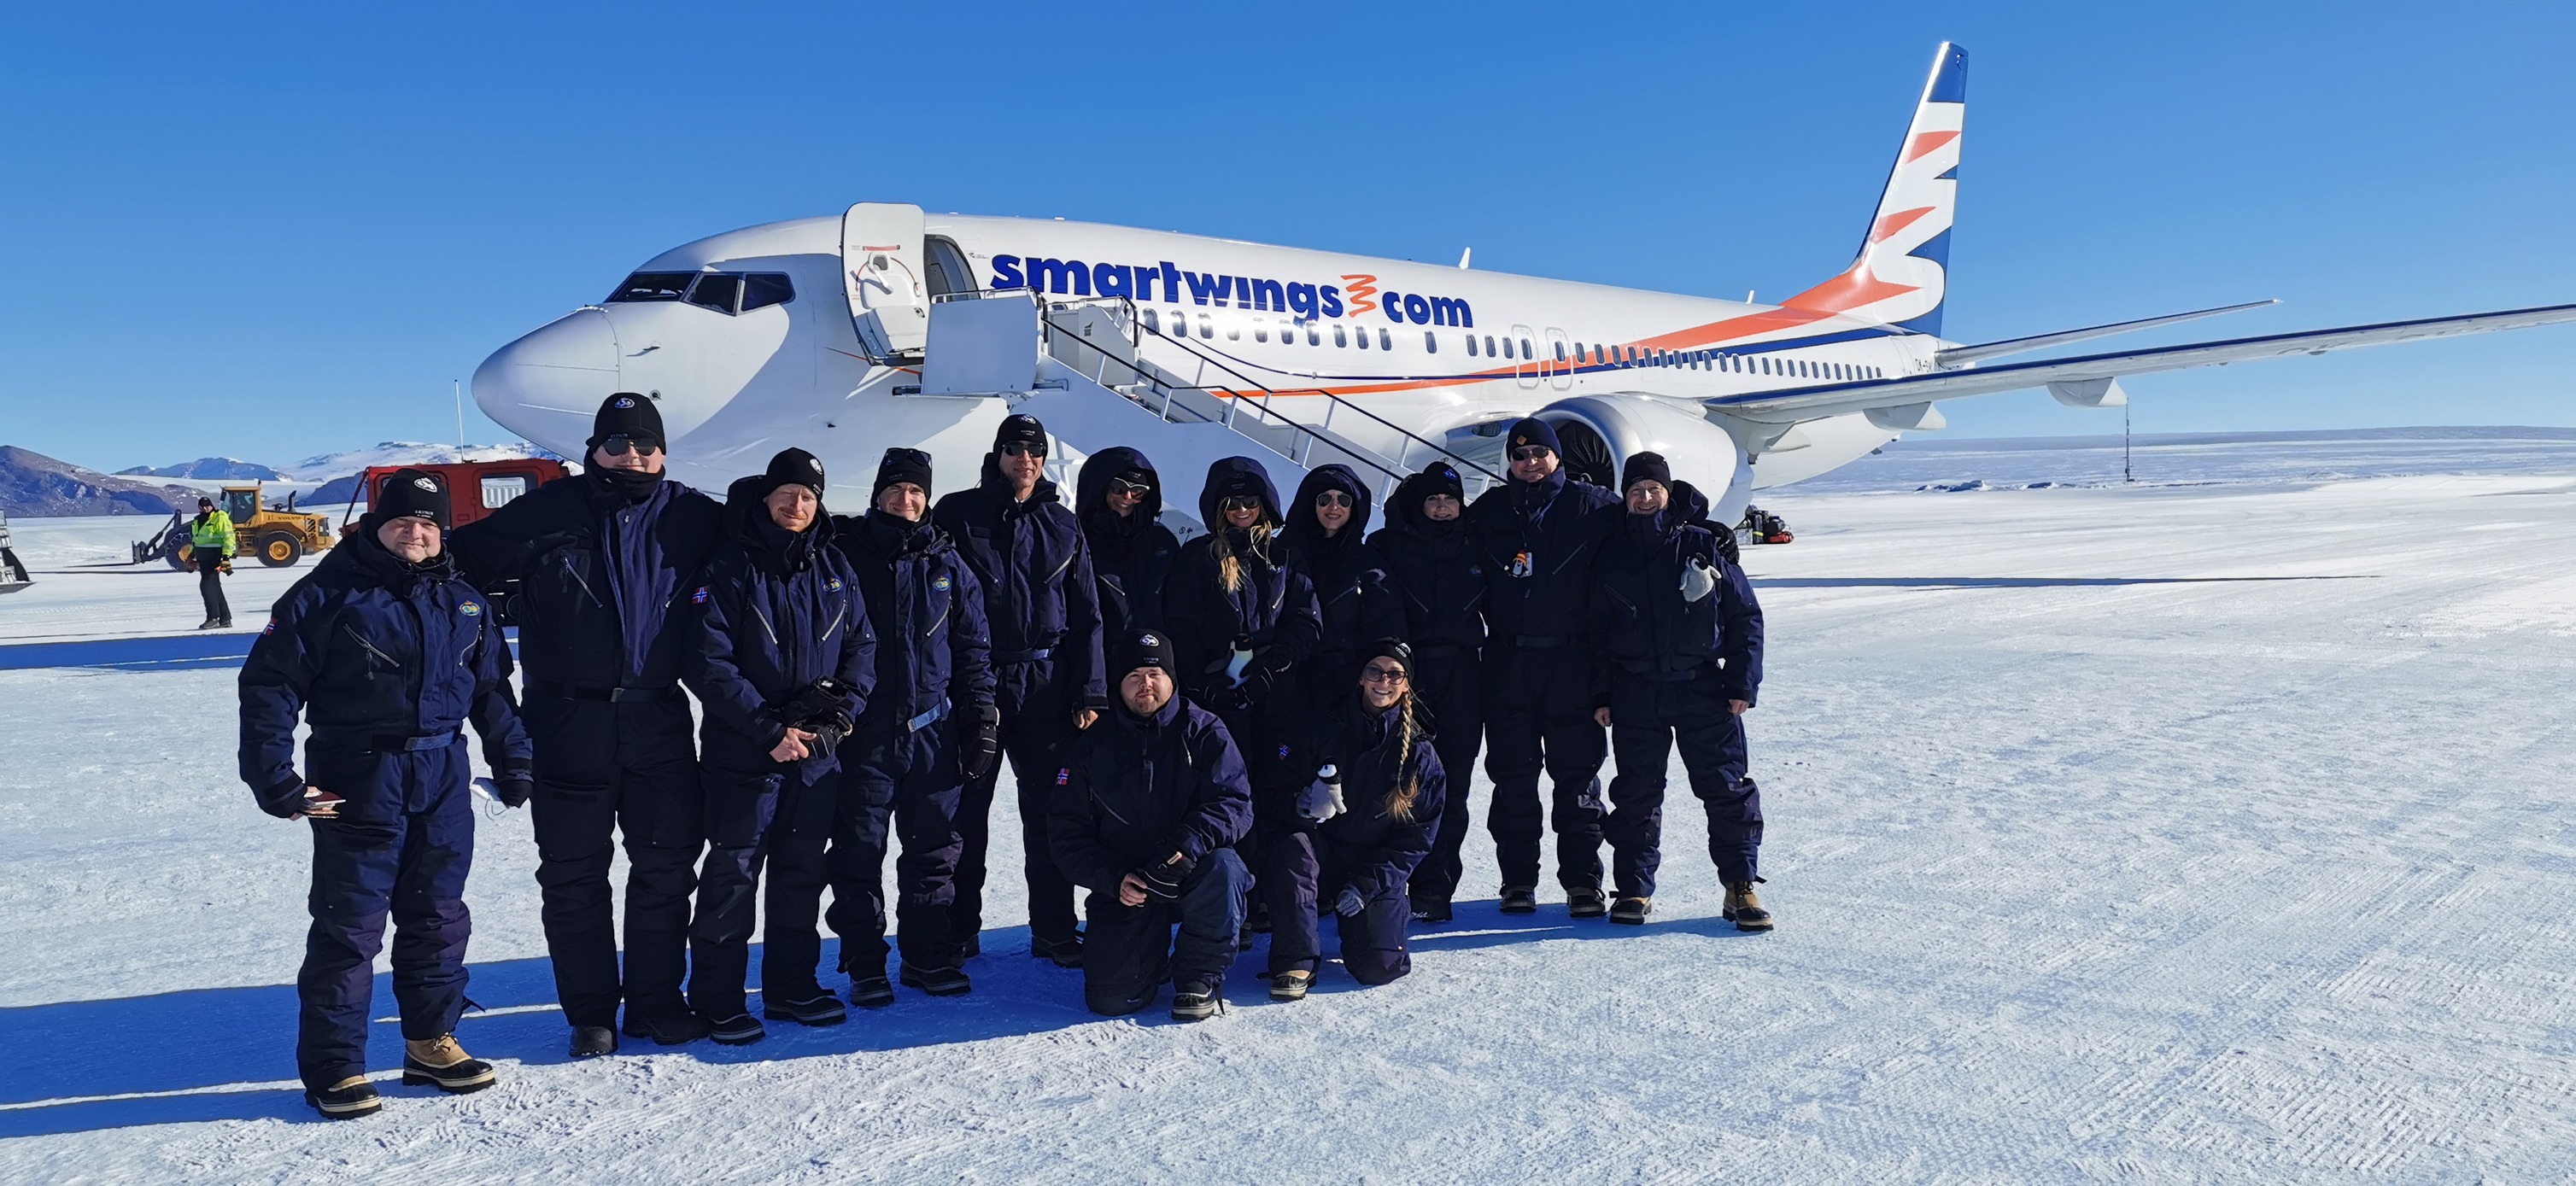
(1902, 275)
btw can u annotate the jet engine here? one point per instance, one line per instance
(1600, 433)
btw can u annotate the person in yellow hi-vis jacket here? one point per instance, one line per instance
(210, 536)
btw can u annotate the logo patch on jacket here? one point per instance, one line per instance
(832, 585)
(471, 610)
(1063, 775)
(699, 597)
(939, 585)
(1283, 751)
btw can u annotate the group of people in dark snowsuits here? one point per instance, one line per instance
(1258, 730)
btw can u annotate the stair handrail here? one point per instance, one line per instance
(1136, 324)
(1307, 434)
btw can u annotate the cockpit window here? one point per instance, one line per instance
(717, 291)
(652, 286)
(763, 289)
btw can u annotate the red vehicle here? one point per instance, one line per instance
(476, 488)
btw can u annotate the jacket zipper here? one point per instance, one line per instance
(361, 640)
(575, 574)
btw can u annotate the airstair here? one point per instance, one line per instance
(1099, 377)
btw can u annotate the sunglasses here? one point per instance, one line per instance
(620, 446)
(1531, 453)
(1121, 486)
(1238, 502)
(1383, 675)
(1023, 449)
(913, 456)
(1334, 498)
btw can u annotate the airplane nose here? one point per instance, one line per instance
(548, 385)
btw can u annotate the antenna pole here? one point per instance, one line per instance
(459, 386)
(2127, 474)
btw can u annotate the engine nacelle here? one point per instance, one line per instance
(1601, 432)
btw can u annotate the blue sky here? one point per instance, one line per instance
(280, 234)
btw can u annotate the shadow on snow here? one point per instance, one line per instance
(229, 1053)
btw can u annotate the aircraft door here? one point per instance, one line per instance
(1558, 360)
(883, 272)
(1524, 367)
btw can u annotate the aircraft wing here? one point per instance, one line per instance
(2091, 374)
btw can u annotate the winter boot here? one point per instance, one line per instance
(1197, 1000)
(1520, 899)
(593, 1041)
(1067, 952)
(1586, 903)
(1291, 986)
(871, 992)
(1745, 910)
(347, 1099)
(217, 624)
(808, 1006)
(1113, 1004)
(973, 947)
(674, 1024)
(443, 1064)
(1431, 910)
(738, 1029)
(938, 982)
(1632, 910)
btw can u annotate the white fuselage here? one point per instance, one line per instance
(1436, 350)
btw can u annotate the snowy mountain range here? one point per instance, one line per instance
(227, 469)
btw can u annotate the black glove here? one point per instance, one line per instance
(512, 787)
(828, 733)
(1164, 880)
(1248, 695)
(983, 741)
(1726, 545)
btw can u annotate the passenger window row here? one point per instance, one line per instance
(728, 293)
(1177, 324)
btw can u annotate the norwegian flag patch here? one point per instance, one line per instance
(699, 597)
(269, 629)
(1283, 751)
(1063, 775)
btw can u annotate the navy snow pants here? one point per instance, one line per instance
(784, 821)
(1299, 878)
(603, 769)
(1538, 717)
(1037, 721)
(1127, 950)
(401, 847)
(908, 779)
(1448, 686)
(1646, 720)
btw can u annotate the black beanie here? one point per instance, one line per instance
(901, 465)
(1143, 648)
(1530, 430)
(796, 467)
(1440, 477)
(1389, 648)
(410, 494)
(1020, 430)
(1645, 466)
(627, 414)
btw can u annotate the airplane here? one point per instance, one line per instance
(888, 326)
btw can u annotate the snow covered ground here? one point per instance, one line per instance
(2164, 834)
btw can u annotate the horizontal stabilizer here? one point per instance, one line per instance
(1829, 399)
(1960, 356)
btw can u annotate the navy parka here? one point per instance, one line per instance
(1353, 596)
(1273, 603)
(597, 578)
(1642, 627)
(934, 651)
(1034, 568)
(1538, 540)
(376, 651)
(1379, 850)
(1133, 791)
(781, 611)
(1131, 556)
(1437, 570)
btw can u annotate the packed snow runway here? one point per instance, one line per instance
(2176, 833)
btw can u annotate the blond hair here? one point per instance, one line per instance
(1229, 565)
(1408, 780)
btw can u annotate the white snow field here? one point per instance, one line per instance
(2194, 833)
